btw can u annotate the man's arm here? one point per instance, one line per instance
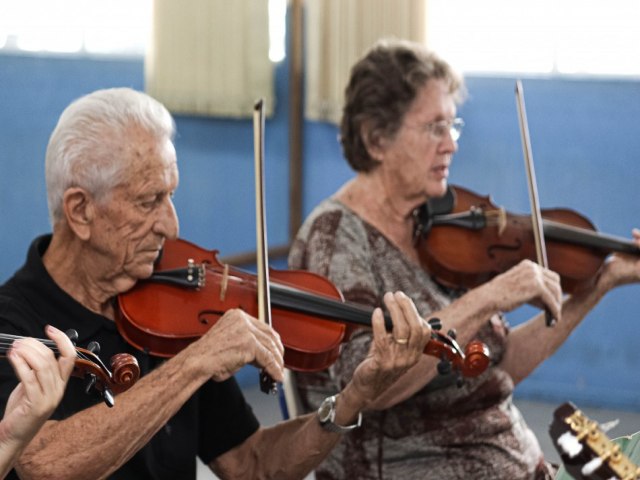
(292, 449)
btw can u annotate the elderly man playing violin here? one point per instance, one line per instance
(398, 132)
(111, 172)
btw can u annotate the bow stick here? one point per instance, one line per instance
(536, 217)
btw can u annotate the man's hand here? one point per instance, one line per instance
(238, 339)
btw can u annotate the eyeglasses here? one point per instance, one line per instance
(440, 128)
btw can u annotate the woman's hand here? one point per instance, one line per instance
(621, 268)
(527, 282)
(391, 353)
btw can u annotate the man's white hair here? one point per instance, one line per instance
(85, 148)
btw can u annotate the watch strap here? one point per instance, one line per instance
(327, 421)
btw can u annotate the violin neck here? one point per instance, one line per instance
(587, 238)
(6, 340)
(477, 219)
(297, 300)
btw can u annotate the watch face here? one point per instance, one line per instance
(324, 412)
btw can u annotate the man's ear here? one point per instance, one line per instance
(373, 140)
(79, 210)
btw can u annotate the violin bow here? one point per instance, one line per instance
(536, 217)
(267, 384)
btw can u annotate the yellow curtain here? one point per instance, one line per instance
(338, 33)
(210, 57)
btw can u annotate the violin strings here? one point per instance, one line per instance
(6, 340)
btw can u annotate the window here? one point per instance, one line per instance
(75, 26)
(97, 27)
(572, 37)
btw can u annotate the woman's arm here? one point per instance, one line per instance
(533, 342)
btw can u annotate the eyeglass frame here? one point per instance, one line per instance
(439, 128)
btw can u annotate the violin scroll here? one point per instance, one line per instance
(126, 371)
(99, 378)
(476, 358)
(471, 362)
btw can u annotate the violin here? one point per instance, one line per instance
(191, 289)
(463, 239)
(125, 370)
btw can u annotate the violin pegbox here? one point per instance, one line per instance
(100, 380)
(586, 451)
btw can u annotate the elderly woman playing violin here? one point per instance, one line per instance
(398, 132)
(111, 172)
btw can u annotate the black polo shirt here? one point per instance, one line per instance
(213, 421)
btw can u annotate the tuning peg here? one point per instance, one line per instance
(72, 334)
(452, 333)
(107, 396)
(444, 367)
(569, 444)
(435, 323)
(90, 382)
(459, 379)
(591, 466)
(94, 347)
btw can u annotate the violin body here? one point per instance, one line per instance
(164, 318)
(478, 240)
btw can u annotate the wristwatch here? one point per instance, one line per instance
(327, 416)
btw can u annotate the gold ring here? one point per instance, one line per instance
(401, 341)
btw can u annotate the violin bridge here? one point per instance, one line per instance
(502, 220)
(498, 218)
(224, 283)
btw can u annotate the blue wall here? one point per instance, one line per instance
(585, 142)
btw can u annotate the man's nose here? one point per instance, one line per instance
(167, 222)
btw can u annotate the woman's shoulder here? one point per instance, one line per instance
(334, 218)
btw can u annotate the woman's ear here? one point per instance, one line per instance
(78, 207)
(373, 140)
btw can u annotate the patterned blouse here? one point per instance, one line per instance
(441, 432)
